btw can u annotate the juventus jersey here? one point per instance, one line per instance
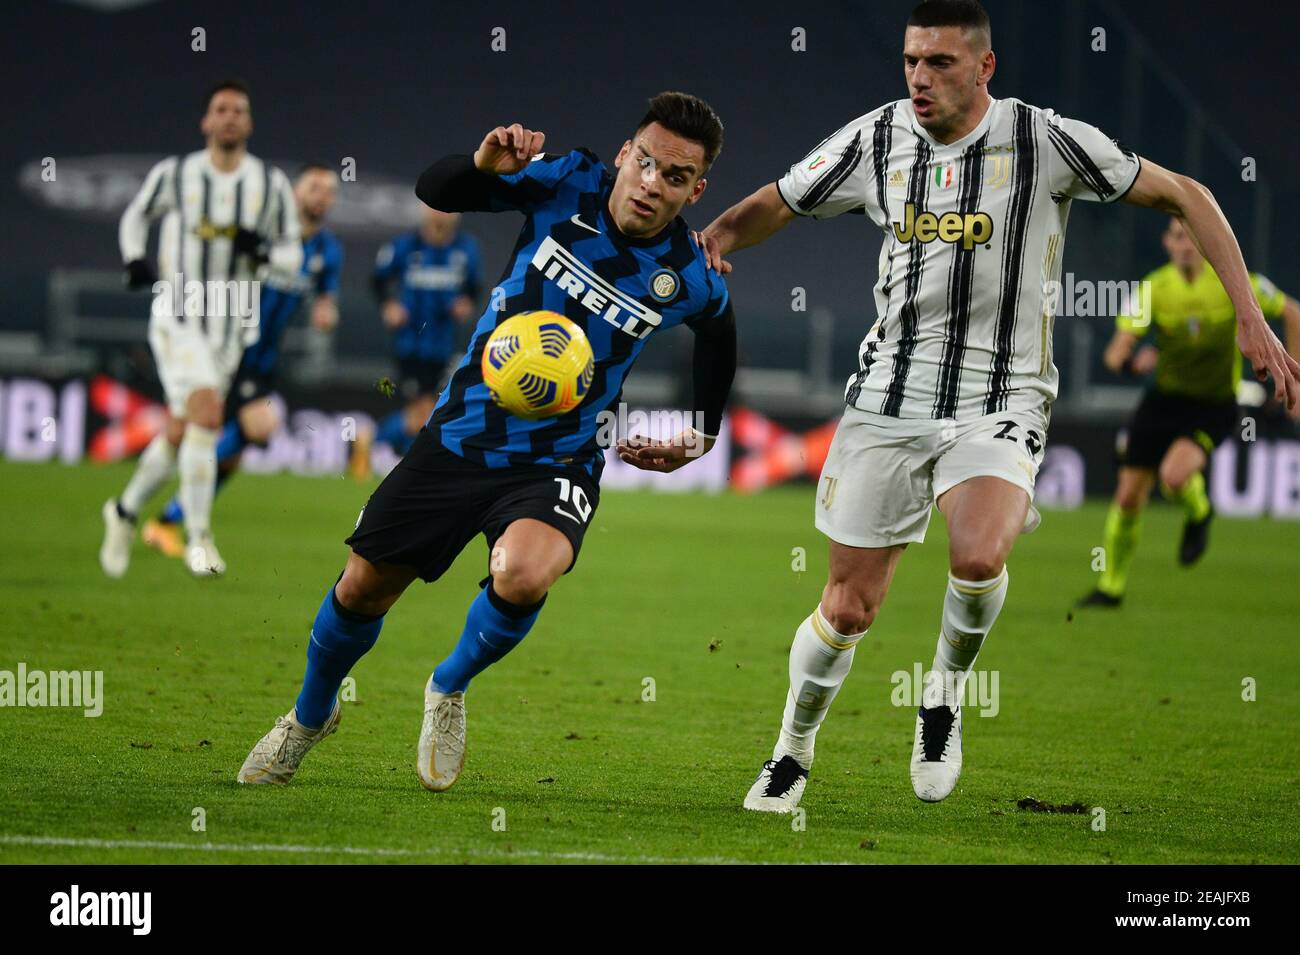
(973, 234)
(202, 208)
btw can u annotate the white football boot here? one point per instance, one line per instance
(278, 754)
(779, 786)
(936, 751)
(441, 752)
(115, 552)
(202, 559)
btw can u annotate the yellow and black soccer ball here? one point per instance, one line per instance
(538, 365)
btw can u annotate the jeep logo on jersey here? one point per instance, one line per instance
(971, 229)
(206, 230)
(598, 296)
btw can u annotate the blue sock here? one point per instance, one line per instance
(339, 638)
(231, 443)
(493, 628)
(172, 513)
(392, 431)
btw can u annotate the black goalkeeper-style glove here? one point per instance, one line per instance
(139, 274)
(249, 243)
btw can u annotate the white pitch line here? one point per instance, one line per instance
(356, 850)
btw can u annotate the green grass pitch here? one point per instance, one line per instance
(1139, 712)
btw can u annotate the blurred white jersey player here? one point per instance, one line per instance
(227, 217)
(955, 381)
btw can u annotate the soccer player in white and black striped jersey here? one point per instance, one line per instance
(952, 398)
(227, 218)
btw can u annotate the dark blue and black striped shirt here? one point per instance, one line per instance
(281, 297)
(570, 258)
(429, 280)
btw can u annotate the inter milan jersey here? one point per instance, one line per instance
(281, 296)
(431, 278)
(570, 258)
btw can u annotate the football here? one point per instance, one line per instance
(538, 365)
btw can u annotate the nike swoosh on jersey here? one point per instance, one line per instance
(577, 220)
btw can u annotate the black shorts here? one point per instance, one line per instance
(434, 503)
(1161, 419)
(247, 387)
(419, 376)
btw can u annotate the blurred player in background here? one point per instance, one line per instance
(1190, 408)
(426, 282)
(951, 402)
(609, 251)
(228, 218)
(250, 417)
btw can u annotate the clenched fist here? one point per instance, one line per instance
(507, 149)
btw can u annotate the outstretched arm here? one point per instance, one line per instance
(754, 219)
(462, 183)
(1158, 188)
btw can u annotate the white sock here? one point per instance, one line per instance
(154, 469)
(819, 662)
(198, 467)
(969, 609)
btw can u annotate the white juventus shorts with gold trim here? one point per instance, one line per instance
(882, 474)
(189, 357)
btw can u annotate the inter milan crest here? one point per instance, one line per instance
(664, 285)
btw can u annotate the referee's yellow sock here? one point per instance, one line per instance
(1123, 528)
(1192, 496)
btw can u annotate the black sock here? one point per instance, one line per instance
(511, 610)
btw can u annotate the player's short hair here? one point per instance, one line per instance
(314, 167)
(970, 15)
(689, 117)
(230, 83)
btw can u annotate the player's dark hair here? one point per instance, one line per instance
(313, 167)
(230, 83)
(967, 14)
(689, 117)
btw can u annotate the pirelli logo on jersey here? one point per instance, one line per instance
(971, 229)
(598, 296)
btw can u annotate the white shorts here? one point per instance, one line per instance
(189, 358)
(882, 475)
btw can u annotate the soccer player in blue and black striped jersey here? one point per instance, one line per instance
(606, 248)
(250, 418)
(426, 282)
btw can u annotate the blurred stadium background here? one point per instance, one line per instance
(110, 86)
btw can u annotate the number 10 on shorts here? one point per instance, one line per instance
(572, 493)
